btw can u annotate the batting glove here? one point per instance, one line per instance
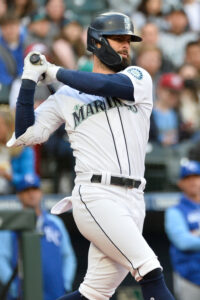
(50, 75)
(34, 71)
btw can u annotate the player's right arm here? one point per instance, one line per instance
(33, 127)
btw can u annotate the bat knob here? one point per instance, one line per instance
(35, 59)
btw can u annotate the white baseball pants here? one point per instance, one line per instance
(111, 217)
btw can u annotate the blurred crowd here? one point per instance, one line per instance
(170, 52)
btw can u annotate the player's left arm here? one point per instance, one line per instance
(106, 85)
(132, 84)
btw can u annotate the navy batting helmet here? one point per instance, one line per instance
(112, 23)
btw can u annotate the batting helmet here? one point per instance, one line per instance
(106, 24)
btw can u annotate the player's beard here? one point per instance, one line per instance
(126, 62)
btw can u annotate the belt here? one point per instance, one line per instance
(120, 181)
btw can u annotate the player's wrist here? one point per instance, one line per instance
(28, 84)
(52, 71)
(31, 75)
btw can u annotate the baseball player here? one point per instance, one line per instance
(106, 114)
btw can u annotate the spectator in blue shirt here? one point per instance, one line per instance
(57, 255)
(182, 224)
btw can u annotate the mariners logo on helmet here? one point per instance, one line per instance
(127, 24)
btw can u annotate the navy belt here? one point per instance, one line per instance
(120, 181)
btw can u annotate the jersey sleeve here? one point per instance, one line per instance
(142, 85)
(48, 117)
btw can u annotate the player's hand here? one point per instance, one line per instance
(34, 71)
(50, 75)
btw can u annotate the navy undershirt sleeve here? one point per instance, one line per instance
(25, 107)
(105, 85)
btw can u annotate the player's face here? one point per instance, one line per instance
(121, 44)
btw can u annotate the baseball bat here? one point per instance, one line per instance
(35, 60)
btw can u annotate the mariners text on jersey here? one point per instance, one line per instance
(82, 112)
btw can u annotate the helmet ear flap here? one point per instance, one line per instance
(107, 54)
(92, 37)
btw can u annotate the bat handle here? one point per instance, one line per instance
(35, 59)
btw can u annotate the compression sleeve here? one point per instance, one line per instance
(25, 107)
(105, 85)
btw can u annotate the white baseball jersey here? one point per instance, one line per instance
(108, 137)
(105, 134)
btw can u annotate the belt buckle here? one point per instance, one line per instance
(96, 178)
(128, 182)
